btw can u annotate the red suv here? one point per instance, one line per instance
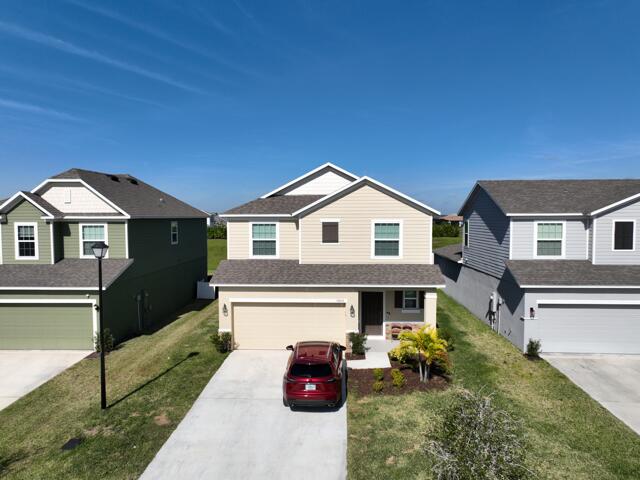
(314, 375)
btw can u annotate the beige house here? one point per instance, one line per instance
(326, 254)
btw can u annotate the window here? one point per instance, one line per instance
(263, 239)
(410, 300)
(465, 229)
(330, 231)
(313, 370)
(174, 233)
(386, 238)
(26, 241)
(549, 239)
(90, 234)
(623, 234)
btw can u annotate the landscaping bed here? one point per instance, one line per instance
(360, 381)
(354, 356)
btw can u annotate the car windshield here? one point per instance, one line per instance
(313, 370)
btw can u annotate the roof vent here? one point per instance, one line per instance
(133, 181)
(114, 178)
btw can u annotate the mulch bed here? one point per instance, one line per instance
(353, 356)
(360, 381)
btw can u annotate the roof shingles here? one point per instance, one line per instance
(579, 273)
(278, 205)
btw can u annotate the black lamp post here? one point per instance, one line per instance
(100, 251)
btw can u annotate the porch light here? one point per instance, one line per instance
(225, 310)
(352, 311)
(100, 250)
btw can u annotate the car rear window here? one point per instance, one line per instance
(311, 371)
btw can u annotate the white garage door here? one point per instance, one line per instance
(276, 325)
(590, 328)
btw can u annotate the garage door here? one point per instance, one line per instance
(590, 328)
(46, 327)
(276, 325)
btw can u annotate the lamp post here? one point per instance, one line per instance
(100, 251)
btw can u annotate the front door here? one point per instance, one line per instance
(372, 313)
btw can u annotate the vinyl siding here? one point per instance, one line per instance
(83, 200)
(488, 235)
(239, 238)
(25, 212)
(604, 237)
(70, 234)
(324, 184)
(523, 236)
(356, 212)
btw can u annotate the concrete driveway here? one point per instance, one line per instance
(239, 429)
(24, 370)
(611, 380)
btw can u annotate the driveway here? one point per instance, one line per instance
(612, 380)
(239, 429)
(24, 370)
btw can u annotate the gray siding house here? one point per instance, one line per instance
(48, 275)
(553, 260)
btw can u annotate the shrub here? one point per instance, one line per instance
(398, 378)
(446, 230)
(447, 336)
(533, 348)
(109, 341)
(428, 347)
(478, 441)
(378, 386)
(217, 231)
(404, 354)
(358, 343)
(378, 374)
(222, 341)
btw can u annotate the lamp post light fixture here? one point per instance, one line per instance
(100, 251)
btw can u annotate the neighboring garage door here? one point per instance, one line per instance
(276, 325)
(46, 327)
(590, 328)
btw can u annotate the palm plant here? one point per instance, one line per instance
(426, 345)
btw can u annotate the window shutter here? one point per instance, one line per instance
(330, 232)
(421, 297)
(398, 299)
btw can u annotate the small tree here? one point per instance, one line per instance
(109, 341)
(427, 346)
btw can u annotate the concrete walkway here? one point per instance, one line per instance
(376, 355)
(239, 429)
(24, 370)
(611, 380)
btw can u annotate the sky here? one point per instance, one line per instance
(218, 102)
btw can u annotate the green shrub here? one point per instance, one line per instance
(404, 354)
(378, 374)
(217, 231)
(378, 386)
(534, 348)
(222, 341)
(447, 336)
(446, 230)
(109, 341)
(358, 343)
(398, 378)
(478, 441)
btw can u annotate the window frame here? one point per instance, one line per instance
(465, 233)
(329, 220)
(404, 301)
(613, 234)
(81, 238)
(174, 223)
(277, 239)
(562, 240)
(17, 255)
(373, 239)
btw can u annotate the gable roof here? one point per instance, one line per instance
(327, 167)
(577, 197)
(278, 205)
(40, 203)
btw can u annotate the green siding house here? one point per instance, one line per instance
(49, 278)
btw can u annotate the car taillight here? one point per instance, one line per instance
(331, 380)
(289, 380)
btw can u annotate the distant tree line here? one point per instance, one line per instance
(217, 231)
(446, 230)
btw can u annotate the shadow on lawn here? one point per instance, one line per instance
(157, 377)
(196, 306)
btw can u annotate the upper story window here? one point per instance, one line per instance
(330, 231)
(26, 241)
(174, 233)
(264, 241)
(90, 234)
(465, 232)
(549, 239)
(387, 239)
(624, 234)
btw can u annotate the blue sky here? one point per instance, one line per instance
(218, 102)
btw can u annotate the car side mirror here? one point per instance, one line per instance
(290, 347)
(343, 348)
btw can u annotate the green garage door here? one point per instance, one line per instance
(46, 327)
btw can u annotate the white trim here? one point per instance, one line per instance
(308, 174)
(126, 239)
(613, 234)
(1, 258)
(299, 240)
(593, 242)
(510, 239)
(355, 184)
(224, 330)
(337, 301)
(466, 230)
(277, 239)
(588, 302)
(52, 246)
(373, 239)
(81, 239)
(20, 194)
(406, 309)
(620, 202)
(256, 215)
(545, 214)
(310, 285)
(563, 240)
(580, 286)
(95, 217)
(171, 225)
(329, 220)
(35, 240)
(54, 288)
(587, 225)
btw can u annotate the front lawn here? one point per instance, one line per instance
(570, 435)
(152, 381)
(439, 242)
(217, 250)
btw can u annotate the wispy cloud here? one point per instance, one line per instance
(68, 47)
(30, 108)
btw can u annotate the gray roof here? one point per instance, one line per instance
(558, 196)
(573, 272)
(451, 252)
(68, 273)
(37, 199)
(277, 205)
(137, 198)
(290, 272)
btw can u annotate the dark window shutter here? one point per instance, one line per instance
(623, 239)
(398, 299)
(421, 296)
(330, 232)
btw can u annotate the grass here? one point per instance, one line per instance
(570, 436)
(152, 381)
(217, 250)
(439, 242)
